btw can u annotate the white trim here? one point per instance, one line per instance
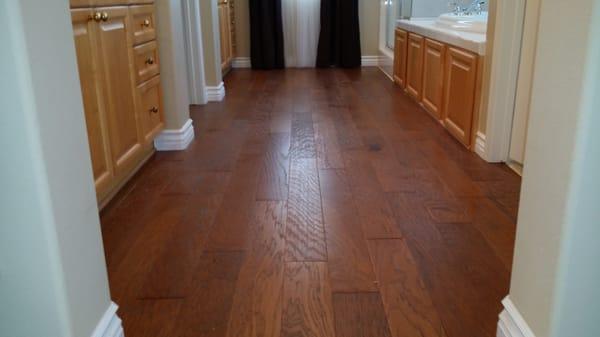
(370, 60)
(241, 62)
(175, 140)
(215, 94)
(194, 51)
(503, 82)
(511, 323)
(480, 144)
(110, 324)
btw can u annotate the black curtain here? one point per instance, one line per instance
(339, 40)
(266, 34)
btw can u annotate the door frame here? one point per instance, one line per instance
(194, 51)
(505, 75)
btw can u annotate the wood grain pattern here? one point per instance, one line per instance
(376, 216)
(258, 300)
(347, 254)
(409, 308)
(329, 155)
(305, 234)
(360, 315)
(273, 182)
(307, 309)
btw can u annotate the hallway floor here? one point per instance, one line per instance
(313, 203)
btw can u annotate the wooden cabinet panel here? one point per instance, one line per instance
(91, 91)
(433, 77)
(150, 108)
(81, 3)
(459, 96)
(400, 50)
(143, 23)
(414, 71)
(225, 34)
(114, 48)
(146, 61)
(90, 3)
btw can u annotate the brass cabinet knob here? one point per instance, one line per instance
(97, 16)
(146, 23)
(154, 109)
(150, 60)
(104, 16)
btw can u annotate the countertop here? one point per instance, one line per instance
(427, 27)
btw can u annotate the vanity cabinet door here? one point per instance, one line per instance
(459, 96)
(414, 69)
(114, 46)
(433, 77)
(84, 31)
(400, 46)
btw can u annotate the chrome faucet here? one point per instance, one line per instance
(475, 7)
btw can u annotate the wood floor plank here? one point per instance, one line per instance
(273, 182)
(170, 275)
(303, 138)
(376, 216)
(329, 154)
(206, 310)
(348, 259)
(410, 310)
(305, 235)
(307, 309)
(360, 315)
(257, 305)
(231, 228)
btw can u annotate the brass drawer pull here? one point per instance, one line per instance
(150, 61)
(154, 109)
(104, 16)
(146, 23)
(96, 17)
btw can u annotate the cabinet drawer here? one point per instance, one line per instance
(150, 108)
(146, 61)
(144, 23)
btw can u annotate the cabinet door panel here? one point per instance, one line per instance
(146, 61)
(150, 108)
(400, 47)
(114, 47)
(433, 77)
(459, 97)
(91, 91)
(414, 68)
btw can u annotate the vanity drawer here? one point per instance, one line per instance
(150, 108)
(146, 61)
(144, 23)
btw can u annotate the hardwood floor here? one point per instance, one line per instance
(313, 203)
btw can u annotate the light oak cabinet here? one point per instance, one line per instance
(461, 80)
(433, 77)
(120, 87)
(225, 34)
(414, 68)
(400, 49)
(444, 79)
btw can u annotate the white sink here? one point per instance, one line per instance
(476, 23)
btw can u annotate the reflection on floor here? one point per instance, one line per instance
(313, 203)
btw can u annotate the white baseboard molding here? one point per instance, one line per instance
(480, 144)
(511, 323)
(175, 140)
(370, 60)
(241, 62)
(110, 324)
(215, 94)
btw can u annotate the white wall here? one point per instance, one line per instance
(429, 8)
(555, 271)
(53, 280)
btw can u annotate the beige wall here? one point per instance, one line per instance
(173, 66)
(562, 106)
(53, 278)
(209, 18)
(369, 27)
